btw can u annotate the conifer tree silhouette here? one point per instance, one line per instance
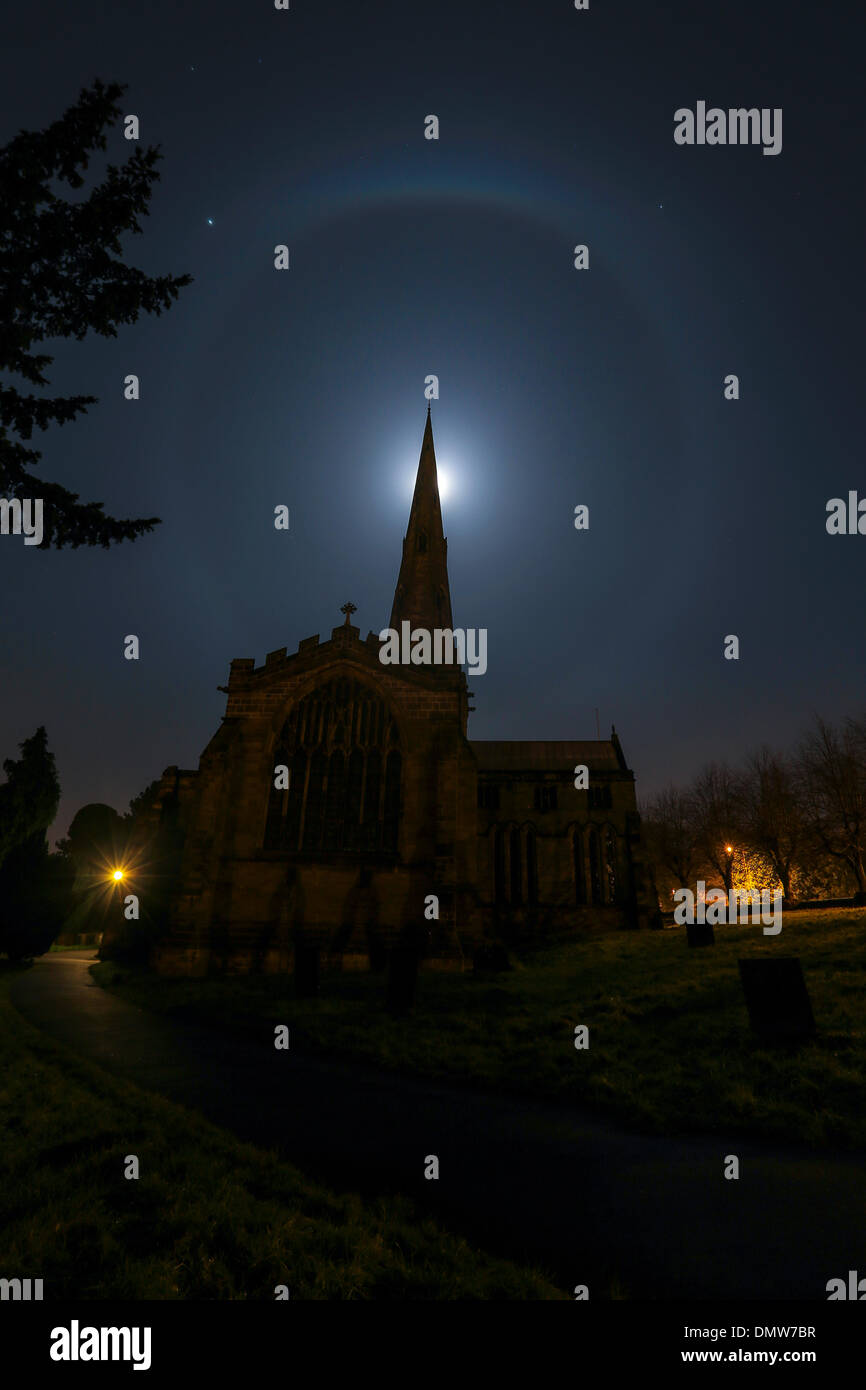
(62, 275)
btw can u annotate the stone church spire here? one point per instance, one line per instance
(423, 597)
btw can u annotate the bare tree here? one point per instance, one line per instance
(668, 826)
(716, 799)
(773, 820)
(832, 777)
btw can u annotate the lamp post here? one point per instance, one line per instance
(729, 869)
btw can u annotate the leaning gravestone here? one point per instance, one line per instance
(700, 934)
(777, 998)
(306, 972)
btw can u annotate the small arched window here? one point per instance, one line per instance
(531, 867)
(579, 870)
(516, 868)
(595, 869)
(610, 863)
(499, 865)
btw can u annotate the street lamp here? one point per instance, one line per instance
(729, 868)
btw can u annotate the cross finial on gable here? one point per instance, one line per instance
(348, 609)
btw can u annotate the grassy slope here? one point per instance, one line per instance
(670, 1046)
(209, 1218)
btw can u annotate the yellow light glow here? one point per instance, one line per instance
(118, 874)
(729, 849)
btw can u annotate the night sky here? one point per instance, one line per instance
(557, 387)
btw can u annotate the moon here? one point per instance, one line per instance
(445, 476)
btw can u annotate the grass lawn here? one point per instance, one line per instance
(670, 1045)
(209, 1217)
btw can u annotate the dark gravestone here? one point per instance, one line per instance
(306, 972)
(700, 934)
(777, 998)
(402, 978)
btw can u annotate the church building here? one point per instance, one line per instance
(342, 805)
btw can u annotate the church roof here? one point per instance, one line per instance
(546, 755)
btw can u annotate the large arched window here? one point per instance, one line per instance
(391, 802)
(513, 849)
(341, 746)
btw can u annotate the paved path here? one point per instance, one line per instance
(526, 1179)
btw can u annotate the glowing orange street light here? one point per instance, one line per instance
(118, 875)
(729, 866)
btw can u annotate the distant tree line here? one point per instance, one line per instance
(145, 844)
(71, 893)
(34, 883)
(794, 820)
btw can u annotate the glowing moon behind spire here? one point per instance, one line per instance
(445, 477)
